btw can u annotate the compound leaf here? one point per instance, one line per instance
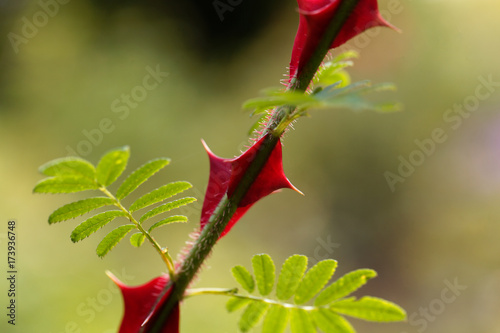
(160, 194)
(166, 207)
(112, 165)
(344, 286)
(244, 278)
(370, 308)
(91, 225)
(140, 175)
(263, 269)
(314, 280)
(327, 314)
(112, 239)
(78, 208)
(291, 273)
(65, 184)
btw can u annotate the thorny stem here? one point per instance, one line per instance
(163, 252)
(227, 206)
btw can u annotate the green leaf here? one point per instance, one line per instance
(388, 107)
(333, 93)
(340, 78)
(244, 278)
(111, 165)
(236, 303)
(112, 239)
(69, 166)
(168, 220)
(370, 308)
(344, 286)
(352, 96)
(263, 269)
(276, 319)
(140, 175)
(252, 315)
(160, 194)
(278, 97)
(350, 54)
(291, 273)
(78, 208)
(64, 184)
(379, 87)
(300, 322)
(314, 280)
(137, 239)
(328, 312)
(166, 207)
(329, 321)
(91, 225)
(332, 72)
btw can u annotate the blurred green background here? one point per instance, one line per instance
(438, 225)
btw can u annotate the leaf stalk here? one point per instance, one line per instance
(164, 254)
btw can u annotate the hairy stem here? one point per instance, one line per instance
(227, 206)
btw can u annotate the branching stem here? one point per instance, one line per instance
(167, 259)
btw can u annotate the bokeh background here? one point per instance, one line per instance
(436, 226)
